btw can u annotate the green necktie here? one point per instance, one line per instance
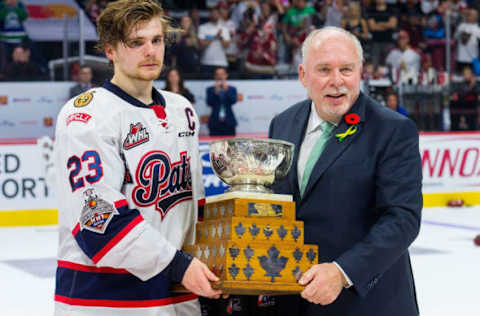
(317, 149)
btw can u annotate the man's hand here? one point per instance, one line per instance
(324, 283)
(197, 279)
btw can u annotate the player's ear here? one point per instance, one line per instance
(110, 52)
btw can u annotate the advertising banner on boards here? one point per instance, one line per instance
(451, 163)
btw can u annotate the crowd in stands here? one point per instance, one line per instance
(404, 40)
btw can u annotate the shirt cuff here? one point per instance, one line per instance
(349, 282)
(177, 267)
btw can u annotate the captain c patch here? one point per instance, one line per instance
(83, 99)
(136, 136)
(96, 213)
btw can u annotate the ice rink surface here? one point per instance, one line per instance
(445, 261)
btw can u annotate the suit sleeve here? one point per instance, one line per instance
(399, 201)
(90, 175)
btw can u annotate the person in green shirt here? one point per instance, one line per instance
(12, 32)
(295, 25)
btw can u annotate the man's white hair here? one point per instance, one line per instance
(328, 30)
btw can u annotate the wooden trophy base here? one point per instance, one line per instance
(250, 288)
(253, 243)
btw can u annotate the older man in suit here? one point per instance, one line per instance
(356, 181)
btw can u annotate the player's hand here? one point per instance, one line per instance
(197, 280)
(324, 283)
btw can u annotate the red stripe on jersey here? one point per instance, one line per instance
(76, 230)
(201, 202)
(120, 203)
(115, 240)
(92, 269)
(125, 304)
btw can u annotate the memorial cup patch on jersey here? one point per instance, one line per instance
(136, 136)
(84, 99)
(96, 213)
(161, 182)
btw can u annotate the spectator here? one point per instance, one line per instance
(221, 97)
(467, 38)
(12, 32)
(434, 35)
(411, 21)
(464, 103)
(382, 23)
(85, 76)
(21, 68)
(93, 9)
(262, 55)
(187, 49)
(428, 74)
(214, 40)
(333, 12)
(429, 6)
(404, 61)
(295, 27)
(195, 17)
(238, 12)
(174, 83)
(227, 22)
(354, 23)
(279, 6)
(392, 103)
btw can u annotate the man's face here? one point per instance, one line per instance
(392, 102)
(141, 56)
(300, 4)
(214, 15)
(11, 3)
(220, 74)
(331, 73)
(467, 74)
(18, 55)
(85, 75)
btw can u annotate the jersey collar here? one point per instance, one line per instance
(157, 97)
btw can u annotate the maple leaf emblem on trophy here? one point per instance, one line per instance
(273, 264)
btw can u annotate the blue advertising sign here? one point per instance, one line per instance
(213, 184)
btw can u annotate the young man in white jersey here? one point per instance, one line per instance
(129, 181)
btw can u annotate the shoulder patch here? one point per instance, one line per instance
(84, 99)
(96, 213)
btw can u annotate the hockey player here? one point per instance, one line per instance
(129, 181)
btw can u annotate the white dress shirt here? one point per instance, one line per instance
(312, 133)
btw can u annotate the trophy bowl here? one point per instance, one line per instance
(251, 164)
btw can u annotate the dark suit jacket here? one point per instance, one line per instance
(215, 100)
(362, 207)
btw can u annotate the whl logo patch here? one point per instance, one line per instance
(136, 136)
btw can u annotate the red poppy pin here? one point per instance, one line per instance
(352, 119)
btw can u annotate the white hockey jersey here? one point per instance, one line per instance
(129, 187)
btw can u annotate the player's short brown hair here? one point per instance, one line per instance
(120, 17)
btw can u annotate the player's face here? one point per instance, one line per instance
(141, 56)
(332, 73)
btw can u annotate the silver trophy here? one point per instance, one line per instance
(251, 164)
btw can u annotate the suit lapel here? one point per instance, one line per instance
(298, 130)
(334, 148)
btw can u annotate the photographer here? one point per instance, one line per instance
(221, 97)
(214, 41)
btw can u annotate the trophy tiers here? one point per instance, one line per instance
(255, 246)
